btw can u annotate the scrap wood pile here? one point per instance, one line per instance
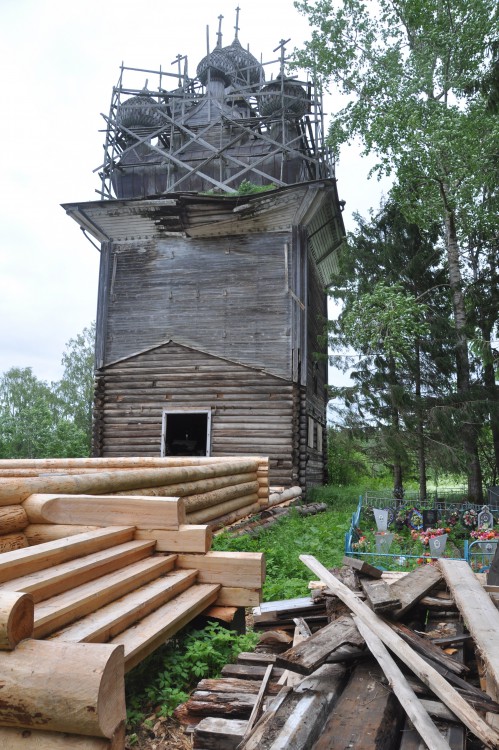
(115, 578)
(215, 491)
(394, 669)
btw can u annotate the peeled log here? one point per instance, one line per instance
(106, 510)
(195, 503)
(10, 542)
(27, 739)
(236, 515)
(63, 687)
(186, 489)
(12, 518)
(280, 497)
(16, 490)
(42, 464)
(38, 533)
(16, 618)
(208, 514)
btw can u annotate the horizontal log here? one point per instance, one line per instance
(97, 463)
(236, 515)
(16, 618)
(63, 687)
(11, 542)
(194, 503)
(12, 518)
(17, 490)
(21, 562)
(238, 569)
(186, 489)
(187, 538)
(38, 533)
(29, 739)
(106, 510)
(208, 514)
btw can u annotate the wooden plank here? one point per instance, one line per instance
(217, 733)
(142, 639)
(414, 587)
(361, 566)
(480, 615)
(24, 561)
(187, 538)
(237, 569)
(426, 674)
(309, 655)
(53, 614)
(106, 510)
(379, 595)
(236, 685)
(249, 671)
(234, 596)
(367, 714)
(112, 619)
(426, 648)
(39, 533)
(258, 703)
(415, 711)
(232, 705)
(52, 581)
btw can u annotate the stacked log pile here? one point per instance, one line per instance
(216, 491)
(367, 679)
(106, 580)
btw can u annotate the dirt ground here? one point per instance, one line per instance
(159, 734)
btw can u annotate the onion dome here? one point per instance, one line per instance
(216, 65)
(249, 70)
(288, 95)
(141, 111)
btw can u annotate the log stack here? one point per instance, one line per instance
(100, 581)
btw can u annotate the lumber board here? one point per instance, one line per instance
(106, 510)
(52, 581)
(16, 618)
(58, 611)
(413, 587)
(249, 671)
(39, 533)
(480, 615)
(236, 596)
(379, 595)
(361, 566)
(235, 685)
(24, 561)
(236, 569)
(153, 630)
(428, 649)
(367, 715)
(187, 538)
(217, 733)
(112, 619)
(413, 708)
(310, 654)
(416, 663)
(63, 687)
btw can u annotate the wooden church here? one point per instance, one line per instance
(219, 226)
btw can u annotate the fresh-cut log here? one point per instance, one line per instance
(39, 533)
(416, 663)
(203, 500)
(29, 739)
(12, 518)
(14, 490)
(63, 687)
(199, 487)
(187, 538)
(208, 514)
(413, 708)
(222, 521)
(41, 556)
(10, 542)
(106, 510)
(101, 462)
(16, 618)
(480, 615)
(49, 582)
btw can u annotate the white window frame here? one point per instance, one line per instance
(184, 410)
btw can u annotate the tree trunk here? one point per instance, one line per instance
(468, 430)
(420, 428)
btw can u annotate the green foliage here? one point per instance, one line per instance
(76, 388)
(346, 462)
(166, 678)
(248, 188)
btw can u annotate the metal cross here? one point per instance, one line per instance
(237, 21)
(219, 34)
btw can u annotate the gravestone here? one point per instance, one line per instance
(381, 518)
(437, 545)
(430, 518)
(485, 517)
(383, 543)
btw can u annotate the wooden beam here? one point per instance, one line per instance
(106, 510)
(361, 566)
(39, 533)
(234, 596)
(416, 663)
(24, 561)
(187, 538)
(237, 569)
(63, 687)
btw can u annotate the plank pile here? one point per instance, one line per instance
(341, 686)
(103, 582)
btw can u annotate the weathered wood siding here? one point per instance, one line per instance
(253, 413)
(229, 296)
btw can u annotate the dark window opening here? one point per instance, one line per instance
(186, 434)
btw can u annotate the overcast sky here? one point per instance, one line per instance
(59, 62)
